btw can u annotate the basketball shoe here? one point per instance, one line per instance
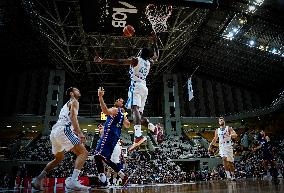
(137, 142)
(37, 184)
(125, 181)
(74, 185)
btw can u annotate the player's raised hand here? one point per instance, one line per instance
(98, 59)
(101, 91)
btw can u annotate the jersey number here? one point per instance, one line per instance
(143, 71)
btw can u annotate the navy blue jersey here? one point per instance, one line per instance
(266, 149)
(265, 145)
(114, 123)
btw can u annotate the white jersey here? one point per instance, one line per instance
(140, 72)
(224, 137)
(64, 116)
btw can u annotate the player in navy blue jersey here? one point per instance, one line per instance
(267, 155)
(109, 138)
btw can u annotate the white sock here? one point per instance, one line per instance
(137, 130)
(228, 174)
(121, 174)
(75, 174)
(233, 175)
(102, 177)
(42, 174)
(151, 127)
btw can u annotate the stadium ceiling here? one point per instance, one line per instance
(241, 41)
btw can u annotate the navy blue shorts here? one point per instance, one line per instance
(106, 145)
(267, 156)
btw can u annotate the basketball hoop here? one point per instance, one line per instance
(158, 17)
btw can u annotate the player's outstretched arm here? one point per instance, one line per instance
(232, 132)
(156, 54)
(127, 62)
(256, 148)
(213, 142)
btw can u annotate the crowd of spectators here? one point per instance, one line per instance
(156, 167)
(146, 167)
(39, 150)
(179, 147)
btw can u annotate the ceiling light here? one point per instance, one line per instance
(275, 51)
(242, 21)
(251, 43)
(229, 36)
(258, 2)
(261, 47)
(235, 29)
(251, 8)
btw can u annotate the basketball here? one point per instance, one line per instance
(150, 7)
(128, 31)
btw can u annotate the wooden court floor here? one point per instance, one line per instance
(239, 186)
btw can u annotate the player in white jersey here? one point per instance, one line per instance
(225, 134)
(138, 91)
(66, 135)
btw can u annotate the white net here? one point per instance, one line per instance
(158, 17)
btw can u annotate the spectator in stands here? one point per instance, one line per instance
(101, 129)
(6, 181)
(225, 134)
(157, 132)
(66, 135)
(244, 141)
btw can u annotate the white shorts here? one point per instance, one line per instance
(63, 138)
(227, 152)
(115, 156)
(137, 95)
